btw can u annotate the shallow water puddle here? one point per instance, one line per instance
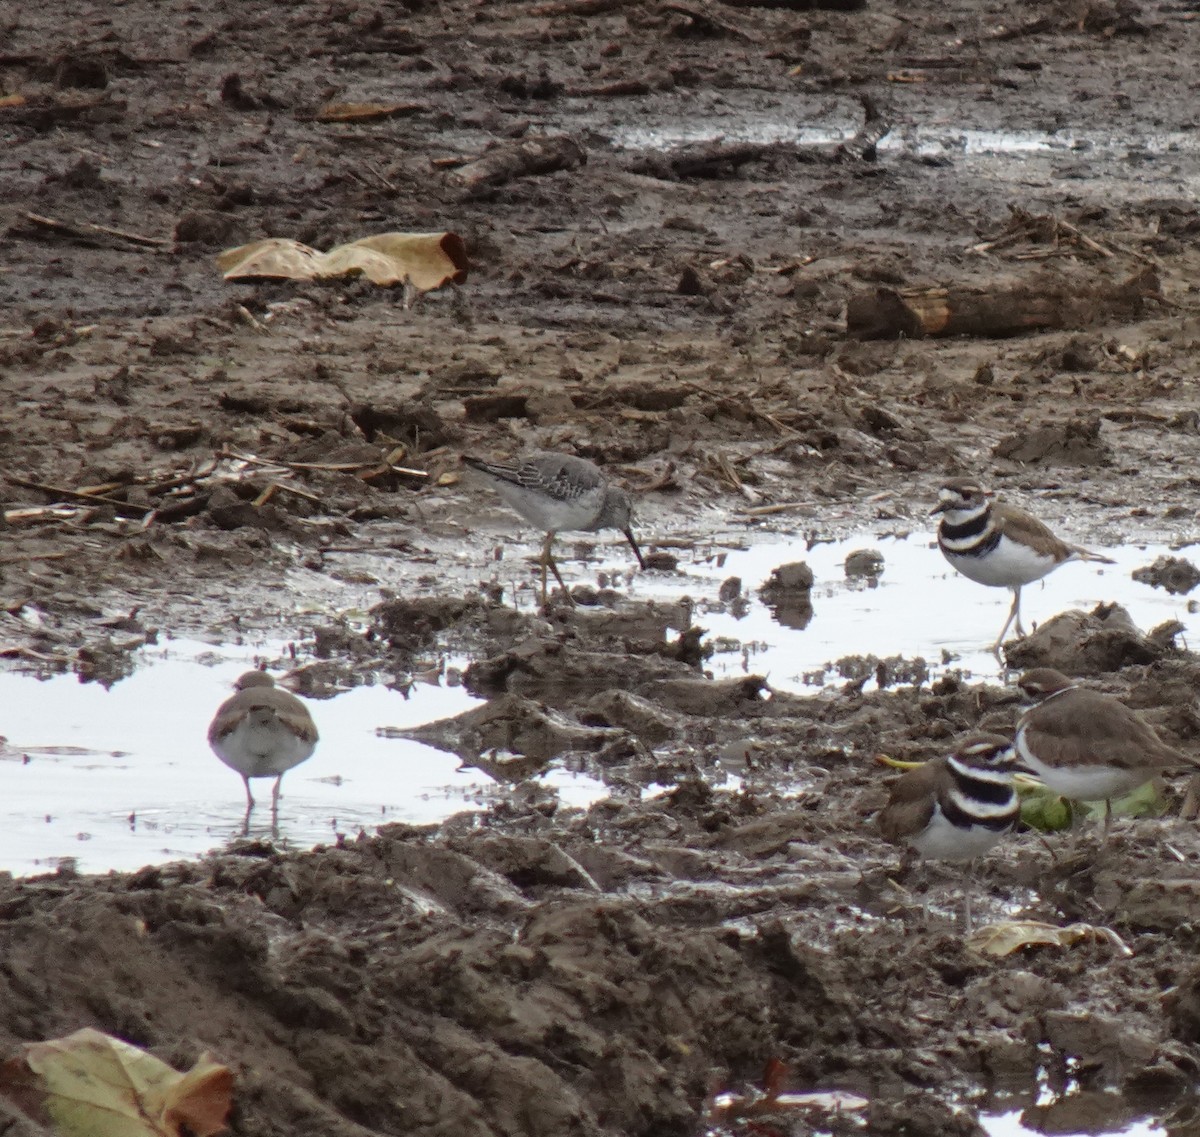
(768, 128)
(121, 778)
(919, 606)
(1019, 1122)
(124, 777)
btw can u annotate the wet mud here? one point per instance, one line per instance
(713, 322)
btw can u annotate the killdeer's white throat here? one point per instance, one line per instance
(554, 492)
(262, 732)
(1086, 745)
(999, 545)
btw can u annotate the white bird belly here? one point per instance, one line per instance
(1082, 783)
(1008, 565)
(942, 841)
(260, 751)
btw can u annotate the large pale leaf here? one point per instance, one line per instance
(427, 260)
(424, 261)
(1011, 935)
(90, 1084)
(274, 257)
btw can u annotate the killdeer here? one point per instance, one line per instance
(1086, 745)
(996, 544)
(955, 807)
(560, 491)
(262, 732)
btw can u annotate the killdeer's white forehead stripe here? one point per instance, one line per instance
(977, 749)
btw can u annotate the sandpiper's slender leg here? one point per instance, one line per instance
(275, 792)
(1016, 610)
(1108, 816)
(968, 885)
(249, 795)
(548, 561)
(1013, 613)
(246, 821)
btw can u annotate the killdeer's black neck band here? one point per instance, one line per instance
(983, 790)
(988, 793)
(961, 819)
(973, 527)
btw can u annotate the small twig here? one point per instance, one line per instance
(250, 318)
(779, 507)
(330, 467)
(122, 507)
(10, 651)
(1083, 238)
(371, 169)
(275, 487)
(663, 481)
(771, 420)
(87, 228)
(48, 513)
(178, 481)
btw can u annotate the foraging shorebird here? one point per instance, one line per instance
(955, 807)
(554, 492)
(1086, 745)
(262, 732)
(996, 544)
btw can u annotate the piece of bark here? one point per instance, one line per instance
(801, 5)
(718, 159)
(540, 154)
(1046, 302)
(861, 147)
(700, 20)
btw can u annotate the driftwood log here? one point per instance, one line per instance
(1045, 302)
(540, 154)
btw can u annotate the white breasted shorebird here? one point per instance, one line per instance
(1086, 745)
(955, 807)
(554, 492)
(996, 544)
(262, 732)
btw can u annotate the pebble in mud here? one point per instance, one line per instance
(788, 593)
(864, 564)
(1176, 574)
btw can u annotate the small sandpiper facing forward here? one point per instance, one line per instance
(554, 492)
(262, 732)
(996, 544)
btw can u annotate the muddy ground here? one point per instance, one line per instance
(679, 317)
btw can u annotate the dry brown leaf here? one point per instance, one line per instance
(423, 260)
(429, 259)
(12, 101)
(90, 1084)
(1009, 936)
(274, 257)
(363, 112)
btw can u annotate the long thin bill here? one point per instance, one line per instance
(634, 546)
